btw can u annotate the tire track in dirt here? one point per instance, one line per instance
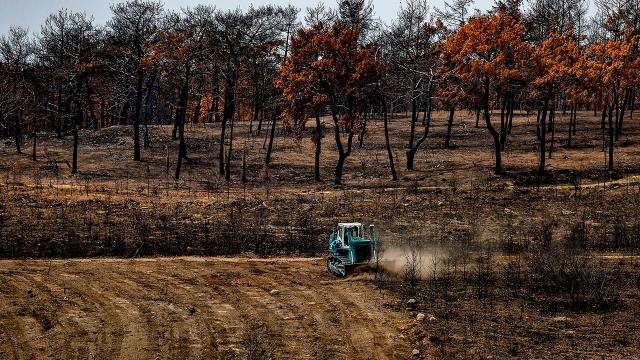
(81, 320)
(340, 328)
(107, 325)
(366, 319)
(99, 312)
(180, 331)
(192, 308)
(39, 315)
(12, 333)
(285, 314)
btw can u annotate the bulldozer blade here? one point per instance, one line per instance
(336, 267)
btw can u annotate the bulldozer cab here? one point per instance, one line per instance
(349, 231)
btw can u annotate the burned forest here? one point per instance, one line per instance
(450, 180)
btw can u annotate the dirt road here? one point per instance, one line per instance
(192, 308)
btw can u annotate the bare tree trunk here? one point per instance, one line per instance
(342, 154)
(511, 106)
(229, 110)
(76, 121)
(176, 124)
(274, 120)
(215, 101)
(411, 152)
(414, 119)
(621, 115)
(616, 119)
(181, 147)
(575, 119)
(266, 137)
(543, 136)
(59, 113)
(147, 97)
(17, 130)
(35, 140)
(213, 111)
(136, 116)
(503, 121)
(256, 109)
(604, 117)
(102, 113)
(343, 157)
(318, 143)
(124, 112)
(227, 173)
(552, 126)
(394, 176)
(538, 125)
(571, 115)
(196, 112)
(74, 161)
(35, 125)
(363, 130)
(67, 114)
(632, 103)
(611, 138)
(260, 120)
(181, 114)
(492, 130)
(449, 125)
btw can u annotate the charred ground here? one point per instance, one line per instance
(510, 248)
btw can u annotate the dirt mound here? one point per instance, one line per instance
(119, 135)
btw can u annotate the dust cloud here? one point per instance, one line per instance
(395, 259)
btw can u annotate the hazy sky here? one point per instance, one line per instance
(32, 13)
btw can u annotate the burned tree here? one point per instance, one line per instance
(132, 28)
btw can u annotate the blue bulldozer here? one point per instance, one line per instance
(349, 248)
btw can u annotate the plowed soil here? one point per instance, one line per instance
(192, 308)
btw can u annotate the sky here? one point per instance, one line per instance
(32, 13)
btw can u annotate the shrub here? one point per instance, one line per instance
(412, 269)
(257, 343)
(578, 237)
(585, 282)
(483, 275)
